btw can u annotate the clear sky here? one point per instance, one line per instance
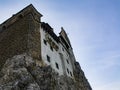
(93, 27)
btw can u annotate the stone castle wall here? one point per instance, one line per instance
(21, 66)
(13, 39)
(20, 34)
(21, 72)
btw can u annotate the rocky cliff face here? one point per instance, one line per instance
(21, 66)
(22, 73)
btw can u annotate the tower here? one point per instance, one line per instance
(33, 57)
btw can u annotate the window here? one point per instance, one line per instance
(71, 73)
(51, 48)
(45, 42)
(48, 58)
(68, 70)
(20, 16)
(63, 49)
(4, 27)
(67, 61)
(57, 66)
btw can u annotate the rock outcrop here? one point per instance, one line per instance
(21, 64)
(22, 73)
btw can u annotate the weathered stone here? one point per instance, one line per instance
(21, 64)
(32, 78)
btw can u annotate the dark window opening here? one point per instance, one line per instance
(51, 48)
(4, 27)
(63, 49)
(61, 83)
(48, 58)
(57, 66)
(45, 42)
(71, 73)
(67, 61)
(20, 16)
(68, 70)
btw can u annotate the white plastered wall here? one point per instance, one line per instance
(55, 56)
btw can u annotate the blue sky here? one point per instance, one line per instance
(93, 27)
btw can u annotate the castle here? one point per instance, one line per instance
(23, 37)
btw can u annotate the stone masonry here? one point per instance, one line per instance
(21, 66)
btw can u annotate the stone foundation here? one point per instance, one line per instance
(22, 73)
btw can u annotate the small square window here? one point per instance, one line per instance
(67, 61)
(68, 70)
(71, 73)
(48, 58)
(57, 66)
(4, 27)
(45, 42)
(63, 49)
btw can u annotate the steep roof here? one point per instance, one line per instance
(49, 29)
(64, 36)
